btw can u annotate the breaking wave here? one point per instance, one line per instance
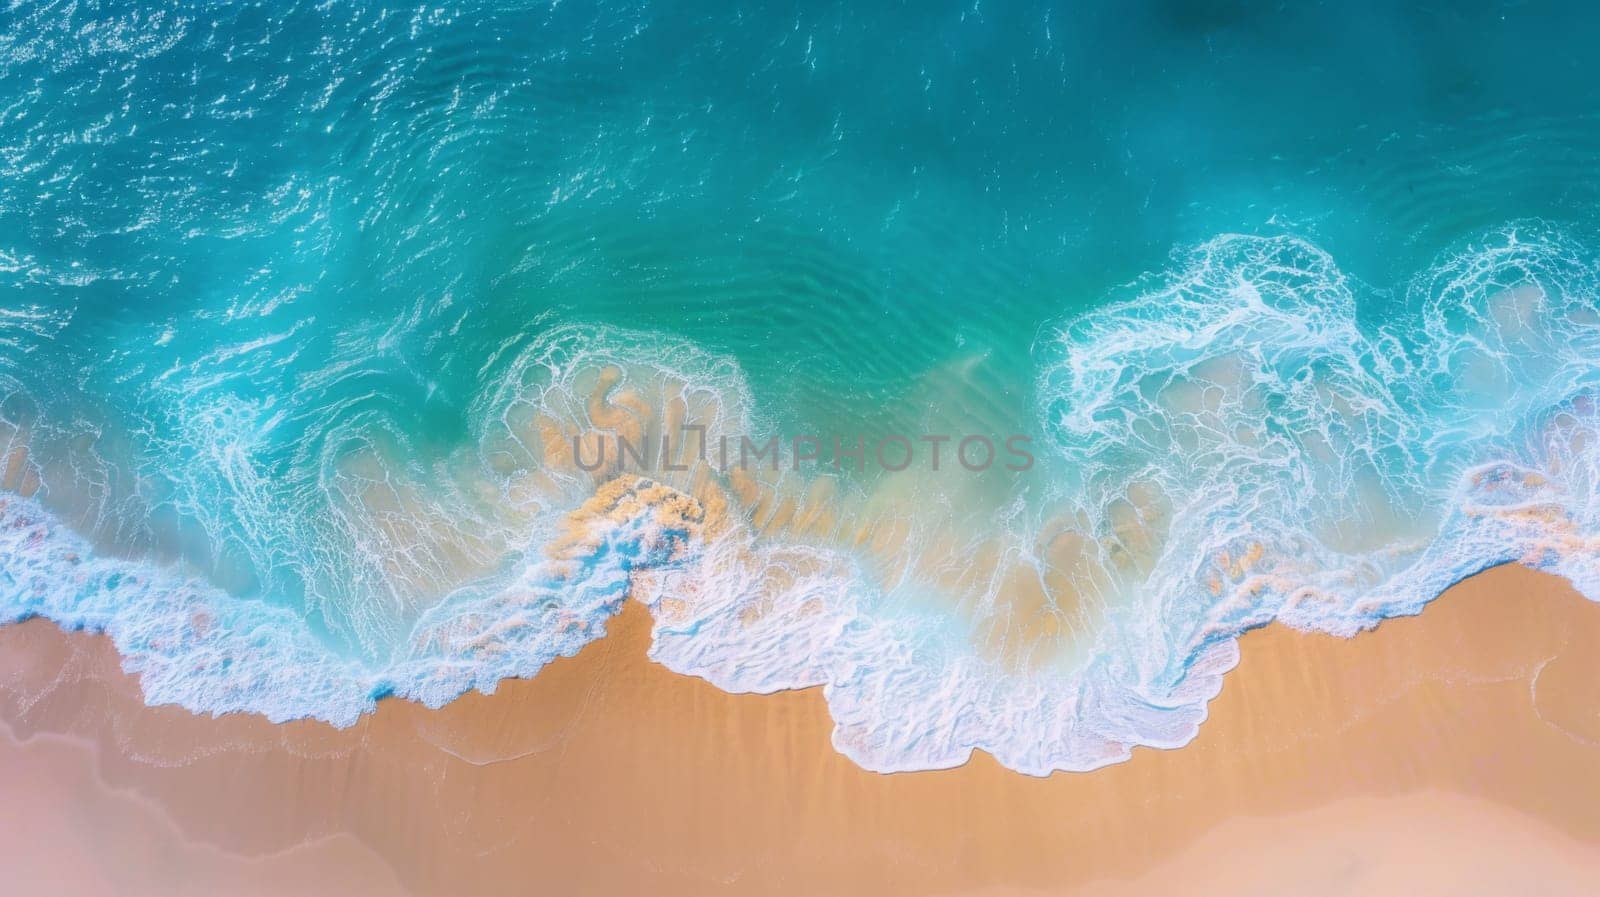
(1232, 443)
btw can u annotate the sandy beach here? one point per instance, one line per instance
(509, 449)
(1446, 753)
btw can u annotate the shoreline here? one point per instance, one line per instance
(609, 771)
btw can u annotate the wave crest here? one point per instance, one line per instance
(1231, 446)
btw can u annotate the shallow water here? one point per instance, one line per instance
(304, 306)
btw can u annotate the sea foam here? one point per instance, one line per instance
(1227, 446)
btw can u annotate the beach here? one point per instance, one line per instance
(935, 450)
(1443, 753)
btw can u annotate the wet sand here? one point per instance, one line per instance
(1463, 741)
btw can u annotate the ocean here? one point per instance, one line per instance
(310, 312)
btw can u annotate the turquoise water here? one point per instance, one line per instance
(1298, 307)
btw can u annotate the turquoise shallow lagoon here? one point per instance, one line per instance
(1299, 308)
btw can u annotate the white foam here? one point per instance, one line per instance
(1233, 447)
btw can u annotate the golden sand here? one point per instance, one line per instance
(1454, 749)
